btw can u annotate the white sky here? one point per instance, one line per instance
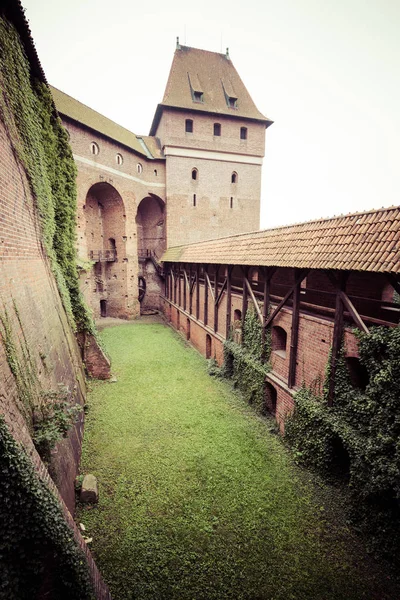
(326, 71)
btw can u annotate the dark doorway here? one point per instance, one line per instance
(270, 395)
(103, 308)
(208, 346)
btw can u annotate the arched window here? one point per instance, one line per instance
(103, 308)
(270, 397)
(94, 148)
(118, 159)
(139, 168)
(194, 174)
(189, 126)
(234, 177)
(217, 129)
(243, 133)
(279, 339)
(208, 346)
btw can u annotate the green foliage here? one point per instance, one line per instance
(244, 363)
(53, 420)
(41, 145)
(359, 437)
(36, 544)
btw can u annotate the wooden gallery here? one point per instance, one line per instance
(310, 285)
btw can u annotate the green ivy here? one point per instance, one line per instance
(358, 439)
(41, 144)
(38, 552)
(244, 363)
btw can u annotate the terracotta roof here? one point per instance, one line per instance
(217, 79)
(368, 241)
(75, 110)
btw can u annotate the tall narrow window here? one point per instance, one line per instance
(189, 126)
(217, 129)
(194, 199)
(234, 177)
(194, 174)
(243, 133)
(231, 202)
(94, 148)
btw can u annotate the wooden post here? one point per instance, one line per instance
(294, 338)
(198, 292)
(228, 301)
(190, 290)
(179, 284)
(216, 298)
(184, 287)
(245, 301)
(205, 296)
(337, 336)
(267, 291)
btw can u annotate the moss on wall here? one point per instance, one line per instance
(41, 145)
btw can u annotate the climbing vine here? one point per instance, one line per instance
(35, 539)
(358, 439)
(243, 362)
(40, 143)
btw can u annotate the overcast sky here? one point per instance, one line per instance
(327, 72)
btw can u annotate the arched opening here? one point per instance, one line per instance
(194, 174)
(150, 222)
(103, 308)
(279, 339)
(188, 329)
(237, 315)
(270, 397)
(104, 226)
(234, 177)
(208, 345)
(359, 375)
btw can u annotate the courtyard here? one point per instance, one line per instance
(198, 496)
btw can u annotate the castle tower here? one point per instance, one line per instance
(213, 138)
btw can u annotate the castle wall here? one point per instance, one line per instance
(118, 189)
(31, 308)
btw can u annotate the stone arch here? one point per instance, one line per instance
(104, 214)
(150, 222)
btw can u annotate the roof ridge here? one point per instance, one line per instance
(200, 50)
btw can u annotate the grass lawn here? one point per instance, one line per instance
(198, 498)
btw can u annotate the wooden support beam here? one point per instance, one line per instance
(337, 336)
(299, 279)
(216, 298)
(347, 302)
(207, 280)
(254, 299)
(228, 301)
(268, 273)
(221, 293)
(185, 286)
(394, 282)
(245, 301)
(198, 292)
(294, 337)
(206, 287)
(191, 289)
(179, 286)
(174, 283)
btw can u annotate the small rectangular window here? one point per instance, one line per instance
(198, 96)
(217, 129)
(189, 126)
(243, 133)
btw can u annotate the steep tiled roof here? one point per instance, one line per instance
(75, 110)
(217, 79)
(368, 241)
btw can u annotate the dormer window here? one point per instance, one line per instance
(232, 102)
(189, 126)
(195, 88)
(198, 96)
(217, 129)
(243, 133)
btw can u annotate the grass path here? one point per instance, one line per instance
(198, 500)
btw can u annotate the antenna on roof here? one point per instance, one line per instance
(178, 46)
(227, 54)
